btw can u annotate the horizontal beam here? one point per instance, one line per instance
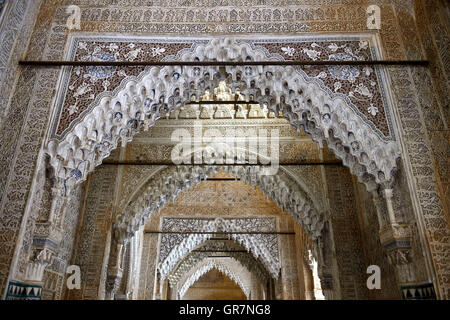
(54, 63)
(225, 251)
(223, 179)
(141, 163)
(221, 233)
(221, 102)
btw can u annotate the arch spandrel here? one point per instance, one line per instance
(140, 100)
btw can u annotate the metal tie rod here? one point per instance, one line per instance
(222, 102)
(52, 63)
(141, 163)
(222, 233)
(226, 251)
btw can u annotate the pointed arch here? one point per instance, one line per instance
(171, 181)
(139, 101)
(250, 242)
(247, 260)
(231, 268)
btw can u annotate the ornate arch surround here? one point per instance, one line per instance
(263, 247)
(347, 121)
(164, 185)
(233, 269)
(254, 266)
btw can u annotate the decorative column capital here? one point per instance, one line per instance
(396, 235)
(396, 241)
(40, 259)
(388, 193)
(46, 234)
(400, 256)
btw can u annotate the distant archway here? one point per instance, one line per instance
(246, 259)
(252, 243)
(168, 183)
(231, 268)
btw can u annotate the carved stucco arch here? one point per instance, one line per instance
(247, 260)
(250, 242)
(139, 101)
(231, 268)
(243, 155)
(169, 182)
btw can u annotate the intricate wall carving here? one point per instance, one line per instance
(16, 23)
(373, 252)
(174, 247)
(28, 110)
(423, 174)
(121, 114)
(94, 232)
(347, 236)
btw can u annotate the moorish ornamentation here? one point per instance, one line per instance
(171, 181)
(254, 266)
(175, 247)
(226, 267)
(139, 101)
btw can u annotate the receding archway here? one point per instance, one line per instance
(228, 266)
(167, 183)
(232, 250)
(252, 243)
(124, 229)
(214, 285)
